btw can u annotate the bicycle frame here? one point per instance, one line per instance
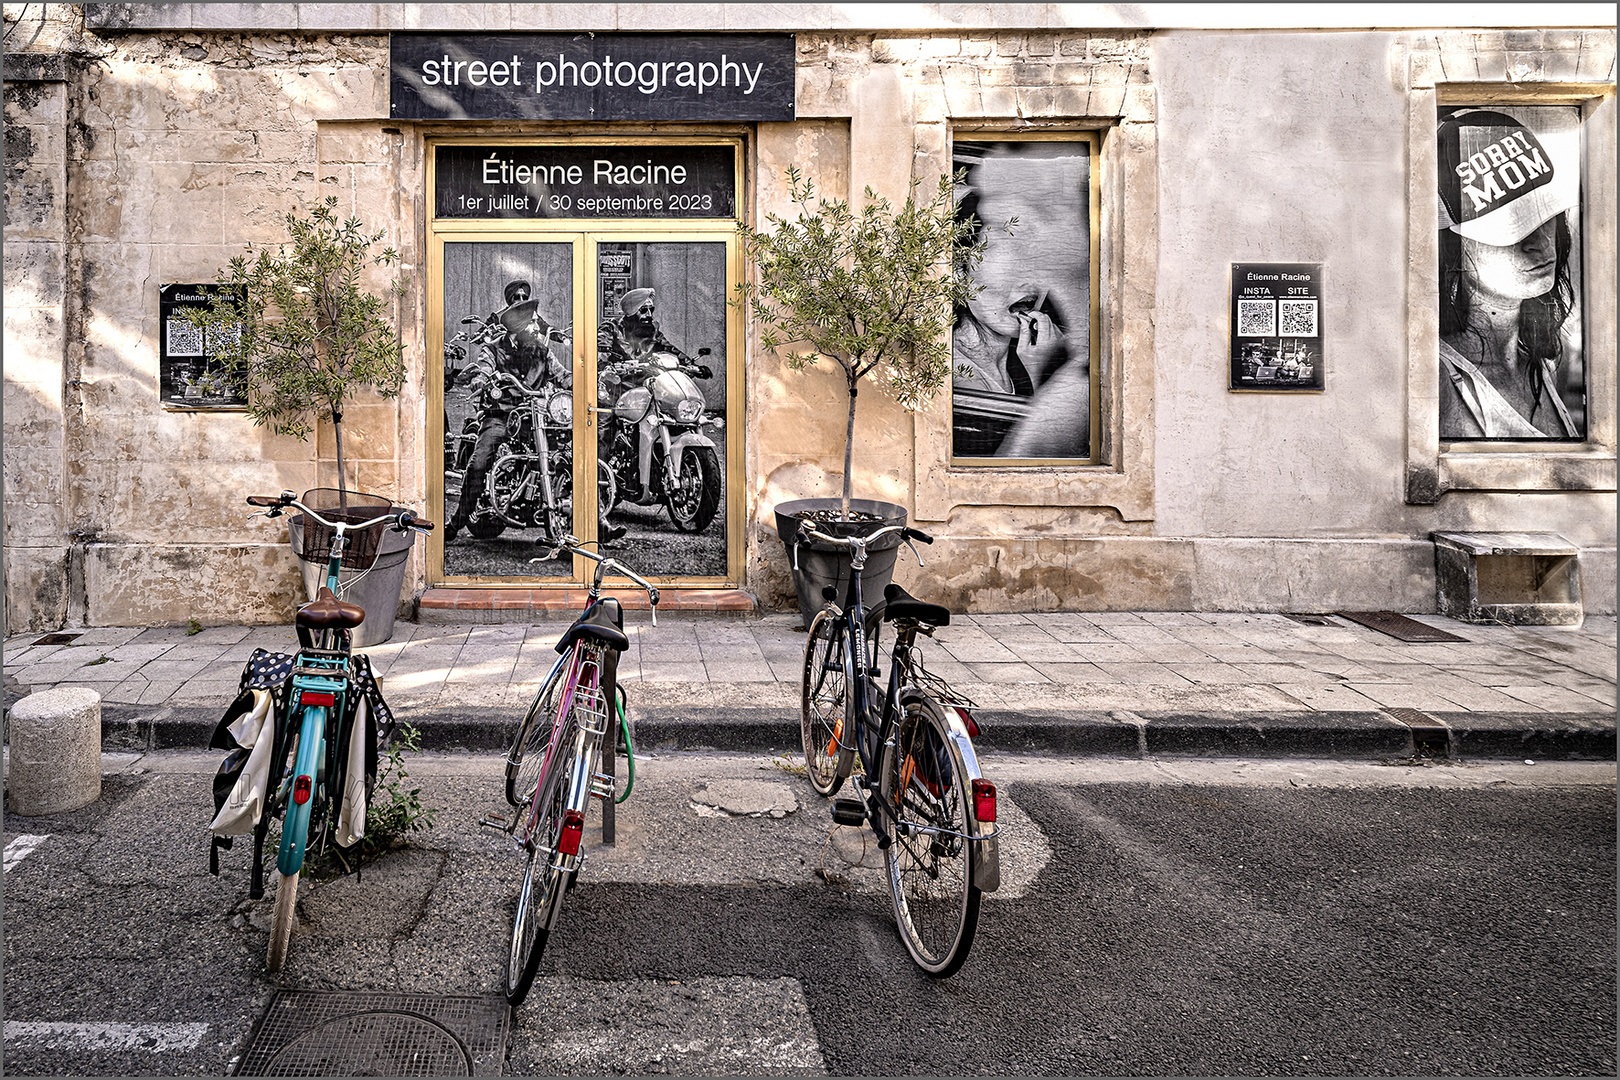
(582, 676)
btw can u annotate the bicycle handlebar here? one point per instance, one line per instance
(604, 564)
(402, 519)
(906, 533)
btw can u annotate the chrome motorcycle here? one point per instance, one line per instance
(660, 452)
(531, 482)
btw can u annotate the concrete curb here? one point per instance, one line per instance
(1111, 734)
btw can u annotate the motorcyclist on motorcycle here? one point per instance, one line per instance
(519, 343)
(624, 347)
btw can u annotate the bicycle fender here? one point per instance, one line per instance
(986, 849)
(295, 825)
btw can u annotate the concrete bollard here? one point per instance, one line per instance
(55, 751)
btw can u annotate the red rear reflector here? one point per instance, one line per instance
(301, 790)
(967, 721)
(984, 801)
(317, 697)
(573, 829)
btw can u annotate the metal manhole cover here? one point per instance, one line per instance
(318, 1033)
(1398, 626)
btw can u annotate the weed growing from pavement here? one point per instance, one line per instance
(394, 812)
(788, 764)
(193, 627)
(102, 659)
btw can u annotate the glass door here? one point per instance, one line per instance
(508, 405)
(661, 403)
(589, 384)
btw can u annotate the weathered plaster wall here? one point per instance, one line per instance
(161, 152)
(1256, 178)
(181, 149)
(36, 547)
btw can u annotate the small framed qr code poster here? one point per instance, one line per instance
(1277, 326)
(190, 376)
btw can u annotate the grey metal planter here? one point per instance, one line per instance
(376, 590)
(821, 564)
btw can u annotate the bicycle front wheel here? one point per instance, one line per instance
(930, 866)
(543, 884)
(282, 923)
(825, 718)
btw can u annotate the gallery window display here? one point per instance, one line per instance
(1022, 347)
(1512, 353)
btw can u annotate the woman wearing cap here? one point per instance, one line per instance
(1505, 289)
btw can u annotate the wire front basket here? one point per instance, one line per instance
(346, 506)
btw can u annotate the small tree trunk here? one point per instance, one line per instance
(849, 446)
(337, 436)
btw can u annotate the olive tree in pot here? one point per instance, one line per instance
(299, 331)
(874, 290)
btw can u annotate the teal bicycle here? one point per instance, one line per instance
(315, 738)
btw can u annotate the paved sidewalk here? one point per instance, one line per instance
(1119, 683)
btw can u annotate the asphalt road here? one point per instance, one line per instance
(1157, 918)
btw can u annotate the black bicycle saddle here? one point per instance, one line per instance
(604, 621)
(902, 605)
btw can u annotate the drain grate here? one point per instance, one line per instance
(56, 639)
(1398, 626)
(331, 1033)
(1310, 620)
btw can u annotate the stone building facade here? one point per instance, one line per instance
(146, 144)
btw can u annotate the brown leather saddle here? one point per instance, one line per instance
(327, 612)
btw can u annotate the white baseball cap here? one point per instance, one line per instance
(1497, 182)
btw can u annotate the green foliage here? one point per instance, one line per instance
(874, 290)
(393, 813)
(396, 810)
(193, 627)
(298, 330)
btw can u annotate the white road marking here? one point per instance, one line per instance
(61, 1035)
(19, 848)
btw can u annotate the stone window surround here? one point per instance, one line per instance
(1122, 477)
(1434, 467)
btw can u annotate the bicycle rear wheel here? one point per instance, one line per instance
(282, 923)
(543, 884)
(930, 867)
(528, 752)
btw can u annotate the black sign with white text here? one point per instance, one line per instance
(584, 181)
(189, 375)
(1277, 326)
(705, 77)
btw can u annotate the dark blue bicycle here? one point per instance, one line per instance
(920, 788)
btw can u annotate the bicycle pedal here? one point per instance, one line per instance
(602, 786)
(494, 821)
(849, 811)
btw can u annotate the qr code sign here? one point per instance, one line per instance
(1257, 318)
(184, 339)
(1298, 318)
